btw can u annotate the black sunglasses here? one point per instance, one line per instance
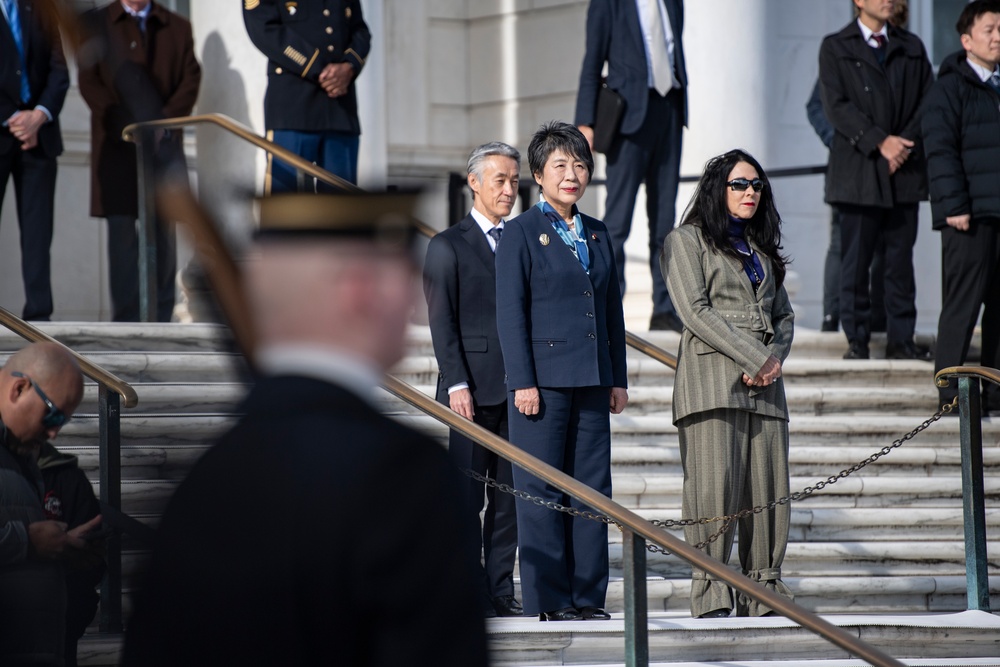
(741, 184)
(55, 417)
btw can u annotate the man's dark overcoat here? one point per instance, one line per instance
(126, 77)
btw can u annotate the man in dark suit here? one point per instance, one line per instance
(460, 284)
(140, 65)
(33, 84)
(640, 40)
(315, 50)
(873, 77)
(317, 530)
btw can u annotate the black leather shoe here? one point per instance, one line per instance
(830, 323)
(666, 322)
(857, 351)
(567, 614)
(716, 613)
(908, 350)
(595, 614)
(507, 605)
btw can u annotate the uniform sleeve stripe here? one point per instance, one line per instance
(310, 64)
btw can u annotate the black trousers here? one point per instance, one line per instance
(499, 524)
(123, 268)
(34, 191)
(831, 277)
(970, 279)
(862, 227)
(651, 156)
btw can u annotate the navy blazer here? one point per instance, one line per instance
(614, 35)
(558, 326)
(47, 74)
(460, 285)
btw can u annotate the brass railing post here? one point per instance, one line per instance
(145, 147)
(636, 612)
(109, 424)
(973, 496)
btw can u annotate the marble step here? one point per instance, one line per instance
(175, 397)
(675, 639)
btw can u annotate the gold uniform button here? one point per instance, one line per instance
(330, 48)
(278, 70)
(329, 30)
(326, 12)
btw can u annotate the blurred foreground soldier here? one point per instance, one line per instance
(318, 531)
(40, 388)
(962, 132)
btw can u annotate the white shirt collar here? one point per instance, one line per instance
(329, 364)
(142, 13)
(868, 32)
(983, 73)
(484, 223)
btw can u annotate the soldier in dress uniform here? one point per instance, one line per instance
(315, 50)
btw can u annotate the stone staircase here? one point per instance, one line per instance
(881, 551)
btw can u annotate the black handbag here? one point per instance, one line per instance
(610, 109)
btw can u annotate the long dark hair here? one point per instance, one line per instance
(710, 211)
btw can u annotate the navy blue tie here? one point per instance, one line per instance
(496, 233)
(14, 20)
(994, 82)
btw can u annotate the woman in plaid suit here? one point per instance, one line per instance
(724, 269)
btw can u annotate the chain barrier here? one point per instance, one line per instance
(728, 519)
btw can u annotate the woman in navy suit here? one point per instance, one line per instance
(559, 314)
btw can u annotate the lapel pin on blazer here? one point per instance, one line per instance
(543, 239)
(593, 237)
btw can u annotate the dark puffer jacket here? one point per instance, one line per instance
(961, 127)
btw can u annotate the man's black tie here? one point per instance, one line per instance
(994, 82)
(880, 49)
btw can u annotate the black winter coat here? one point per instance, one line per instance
(961, 128)
(866, 102)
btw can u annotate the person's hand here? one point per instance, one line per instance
(25, 125)
(747, 380)
(335, 78)
(959, 222)
(768, 373)
(896, 150)
(619, 399)
(461, 402)
(588, 133)
(527, 401)
(85, 551)
(48, 539)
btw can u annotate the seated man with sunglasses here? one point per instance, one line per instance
(40, 387)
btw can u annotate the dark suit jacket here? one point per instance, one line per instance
(865, 102)
(460, 284)
(47, 74)
(614, 35)
(303, 538)
(124, 83)
(558, 326)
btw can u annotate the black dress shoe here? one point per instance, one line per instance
(857, 351)
(595, 614)
(716, 613)
(507, 605)
(830, 323)
(666, 322)
(567, 614)
(908, 350)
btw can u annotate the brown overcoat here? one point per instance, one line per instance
(127, 77)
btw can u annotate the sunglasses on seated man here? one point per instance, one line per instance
(54, 417)
(741, 184)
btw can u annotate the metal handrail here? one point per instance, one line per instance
(132, 133)
(111, 391)
(89, 368)
(177, 200)
(970, 427)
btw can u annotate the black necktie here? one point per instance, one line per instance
(880, 49)
(496, 233)
(994, 82)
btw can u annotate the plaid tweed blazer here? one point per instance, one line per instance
(728, 330)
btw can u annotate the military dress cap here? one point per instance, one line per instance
(386, 218)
